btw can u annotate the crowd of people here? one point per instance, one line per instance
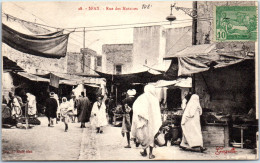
(68, 111)
(17, 105)
(142, 120)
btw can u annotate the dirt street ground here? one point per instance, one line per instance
(110, 146)
(46, 143)
(42, 142)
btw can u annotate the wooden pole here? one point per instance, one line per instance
(194, 38)
(194, 24)
(26, 117)
(116, 95)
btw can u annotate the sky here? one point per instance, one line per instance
(67, 14)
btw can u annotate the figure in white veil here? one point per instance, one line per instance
(190, 124)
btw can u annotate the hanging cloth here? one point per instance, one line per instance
(50, 45)
(54, 80)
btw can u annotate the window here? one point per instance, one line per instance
(99, 61)
(118, 69)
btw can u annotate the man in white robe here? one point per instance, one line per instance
(32, 110)
(146, 119)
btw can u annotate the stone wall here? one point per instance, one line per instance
(117, 54)
(177, 39)
(74, 62)
(30, 62)
(7, 84)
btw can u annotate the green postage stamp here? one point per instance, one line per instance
(235, 23)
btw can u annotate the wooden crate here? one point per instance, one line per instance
(215, 135)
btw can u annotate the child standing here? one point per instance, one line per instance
(64, 110)
(73, 107)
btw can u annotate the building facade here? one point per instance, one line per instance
(86, 62)
(148, 46)
(91, 61)
(153, 43)
(117, 58)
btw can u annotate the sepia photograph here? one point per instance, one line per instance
(129, 80)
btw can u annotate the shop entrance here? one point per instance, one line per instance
(173, 98)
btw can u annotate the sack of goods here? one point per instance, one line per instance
(159, 140)
(32, 121)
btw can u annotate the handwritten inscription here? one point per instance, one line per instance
(146, 6)
(221, 150)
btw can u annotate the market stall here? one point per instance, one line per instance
(225, 83)
(171, 100)
(117, 86)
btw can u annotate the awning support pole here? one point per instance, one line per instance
(193, 84)
(194, 39)
(116, 95)
(26, 116)
(194, 23)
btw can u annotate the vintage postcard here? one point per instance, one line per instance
(137, 80)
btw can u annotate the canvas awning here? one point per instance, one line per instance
(141, 77)
(9, 65)
(92, 85)
(195, 50)
(180, 82)
(199, 58)
(68, 82)
(52, 45)
(74, 83)
(36, 78)
(64, 76)
(88, 75)
(32, 77)
(60, 75)
(71, 79)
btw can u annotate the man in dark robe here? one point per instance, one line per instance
(128, 114)
(110, 104)
(84, 109)
(51, 108)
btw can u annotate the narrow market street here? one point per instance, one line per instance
(152, 71)
(52, 143)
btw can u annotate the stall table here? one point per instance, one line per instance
(242, 128)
